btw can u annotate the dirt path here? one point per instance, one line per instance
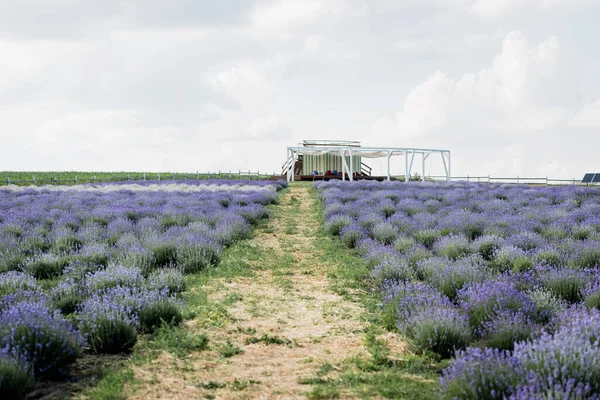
(288, 322)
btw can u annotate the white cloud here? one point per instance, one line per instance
(279, 17)
(589, 117)
(251, 84)
(497, 8)
(505, 95)
(271, 127)
(313, 42)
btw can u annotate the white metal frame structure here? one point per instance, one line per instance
(369, 152)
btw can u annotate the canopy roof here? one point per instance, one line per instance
(366, 152)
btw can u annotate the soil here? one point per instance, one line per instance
(294, 306)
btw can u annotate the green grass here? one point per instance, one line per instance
(269, 340)
(71, 177)
(381, 375)
(240, 260)
(111, 386)
(229, 349)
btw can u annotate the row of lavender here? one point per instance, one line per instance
(504, 278)
(88, 270)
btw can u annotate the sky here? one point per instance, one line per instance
(510, 87)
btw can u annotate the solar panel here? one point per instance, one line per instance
(596, 178)
(587, 178)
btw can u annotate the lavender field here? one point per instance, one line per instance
(86, 269)
(501, 279)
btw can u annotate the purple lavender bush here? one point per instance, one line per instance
(481, 374)
(32, 332)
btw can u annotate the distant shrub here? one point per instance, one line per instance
(352, 233)
(67, 244)
(157, 313)
(163, 254)
(587, 257)
(13, 281)
(195, 257)
(483, 301)
(506, 328)
(384, 233)
(335, 224)
(454, 275)
(404, 244)
(565, 283)
(546, 305)
(113, 276)
(390, 271)
(487, 246)
(167, 279)
(427, 237)
(582, 232)
(47, 266)
(441, 330)
(67, 296)
(549, 257)
(453, 247)
(511, 258)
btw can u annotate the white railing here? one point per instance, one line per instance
(519, 179)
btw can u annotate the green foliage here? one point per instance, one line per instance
(177, 341)
(16, 379)
(229, 349)
(158, 314)
(427, 237)
(111, 336)
(195, 258)
(269, 340)
(47, 267)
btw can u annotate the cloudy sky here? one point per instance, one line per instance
(511, 87)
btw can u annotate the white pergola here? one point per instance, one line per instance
(369, 152)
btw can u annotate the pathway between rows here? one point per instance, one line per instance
(288, 299)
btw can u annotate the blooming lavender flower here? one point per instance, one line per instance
(167, 279)
(335, 224)
(453, 246)
(506, 328)
(111, 317)
(411, 298)
(441, 330)
(451, 276)
(561, 362)
(12, 281)
(483, 301)
(384, 232)
(566, 283)
(481, 374)
(113, 276)
(31, 331)
(352, 233)
(511, 258)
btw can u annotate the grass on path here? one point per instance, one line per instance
(286, 314)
